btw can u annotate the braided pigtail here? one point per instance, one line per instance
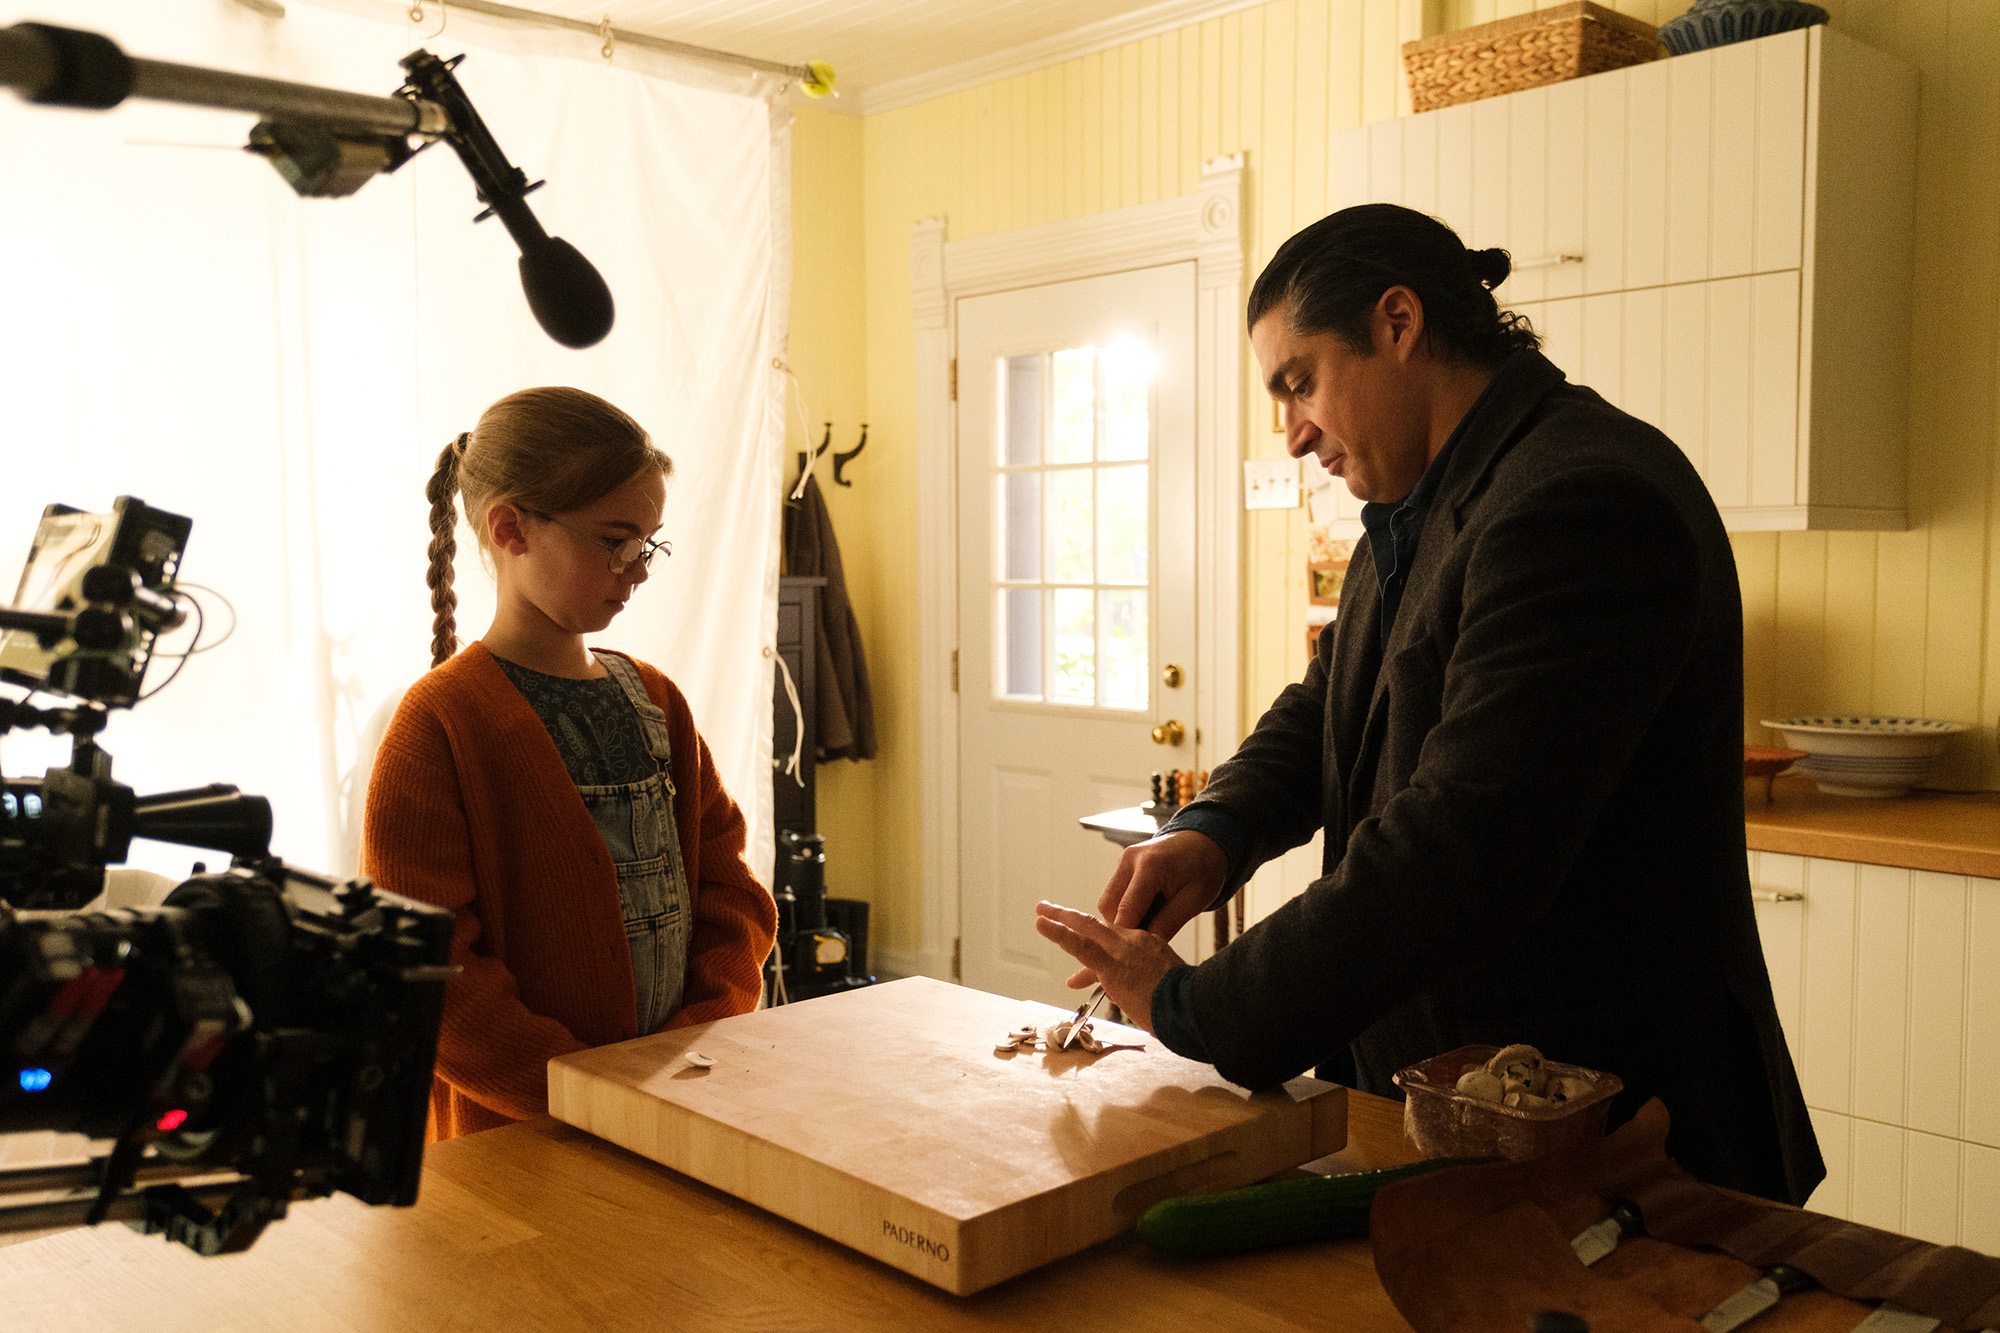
(440, 491)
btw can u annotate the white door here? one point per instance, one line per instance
(1076, 595)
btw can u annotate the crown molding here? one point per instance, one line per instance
(1138, 25)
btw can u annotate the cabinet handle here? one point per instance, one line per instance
(1776, 896)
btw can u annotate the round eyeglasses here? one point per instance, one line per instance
(621, 550)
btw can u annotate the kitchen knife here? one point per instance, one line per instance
(1777, 1282)
(1601, 1238)
(1085, 1012)
(1890, 1317)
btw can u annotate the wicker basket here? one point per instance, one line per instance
(1526, 51)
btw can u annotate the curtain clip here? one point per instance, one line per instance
(610, 40)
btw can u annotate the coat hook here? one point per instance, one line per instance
(841, 460)
(806, 462)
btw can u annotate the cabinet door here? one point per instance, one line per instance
(1982, 1028)
(1877, 973)
(1713, 364)
(1697, 166)
(1675, 171)
(1937, 1189)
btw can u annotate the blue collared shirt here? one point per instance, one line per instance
(1393, 528)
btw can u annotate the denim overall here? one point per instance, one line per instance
(636, 820)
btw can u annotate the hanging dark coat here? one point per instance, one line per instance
(845, 709)
(1531, 797)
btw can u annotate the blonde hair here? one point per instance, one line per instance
(550, 451)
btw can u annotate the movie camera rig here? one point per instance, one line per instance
(264, 1036)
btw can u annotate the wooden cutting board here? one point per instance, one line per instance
(882, 1118)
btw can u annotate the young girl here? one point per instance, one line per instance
(558, 800)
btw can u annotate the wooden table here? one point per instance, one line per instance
(540, 1226)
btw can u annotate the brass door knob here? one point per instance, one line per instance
(1170, 676)
(1169, 732)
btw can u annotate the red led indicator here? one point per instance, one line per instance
(172, 1120)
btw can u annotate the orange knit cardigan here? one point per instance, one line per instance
(470, 808)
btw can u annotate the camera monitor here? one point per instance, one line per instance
(68, 544)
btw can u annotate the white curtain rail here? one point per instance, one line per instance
(516, 14)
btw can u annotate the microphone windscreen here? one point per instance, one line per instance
(567, 293)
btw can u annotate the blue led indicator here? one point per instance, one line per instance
(9, 806)
(34, 1080)
(33, 805)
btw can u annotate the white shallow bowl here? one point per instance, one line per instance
(1867, 756)
(1875, 782)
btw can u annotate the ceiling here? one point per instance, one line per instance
(891, 53)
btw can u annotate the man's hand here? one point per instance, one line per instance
(1186, 868)
(1129, 963)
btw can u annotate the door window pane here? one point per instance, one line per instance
(1021, 411)
(1122, 618)
(1074, 679)
(1021, 526)
(1123, 406)
(1073, 558)
(1121, 524)
(1070, 530)
(1020, 654)
(1075, 397)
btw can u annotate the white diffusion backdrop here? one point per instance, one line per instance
(178, 326)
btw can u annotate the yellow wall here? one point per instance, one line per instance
(828, 355)
(1892, 622)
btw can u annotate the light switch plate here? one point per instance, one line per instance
(1271, 483)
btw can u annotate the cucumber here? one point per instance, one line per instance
(1279, 1212)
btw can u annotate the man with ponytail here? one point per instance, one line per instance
(558, 800)
(1520, 737)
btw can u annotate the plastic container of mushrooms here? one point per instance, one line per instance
(1494, 1101)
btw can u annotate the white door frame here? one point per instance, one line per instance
(1206, 227)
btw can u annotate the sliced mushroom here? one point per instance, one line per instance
(1526, 1101)
(1086, 1040)
(698, 1060)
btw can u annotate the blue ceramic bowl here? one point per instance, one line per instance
(1720, 22)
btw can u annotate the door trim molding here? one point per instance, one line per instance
(1206, 227)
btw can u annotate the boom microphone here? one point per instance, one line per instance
(568, 296)
(566, 292)
(327, 143)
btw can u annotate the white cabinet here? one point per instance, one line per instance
(1885, 983)
(1719, 243)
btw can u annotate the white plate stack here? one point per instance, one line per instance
(1867, 756)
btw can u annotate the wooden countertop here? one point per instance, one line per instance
(1956, 833)
(541, 1226)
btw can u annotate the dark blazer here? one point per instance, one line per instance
(1532, 800)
